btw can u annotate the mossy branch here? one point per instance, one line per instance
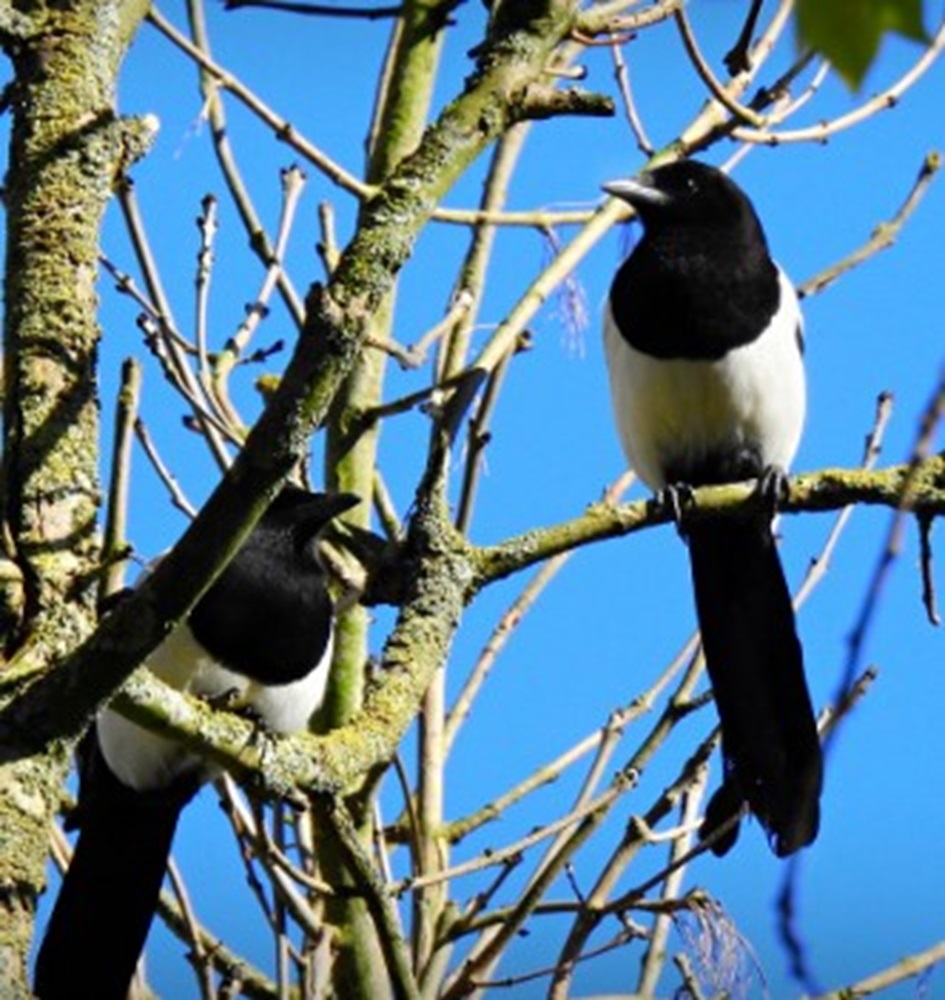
(445, 574)
(827, 490)
(292, 767)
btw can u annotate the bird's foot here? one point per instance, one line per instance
(233, 700)
(674, 498)
(774, 487)
(229, 700)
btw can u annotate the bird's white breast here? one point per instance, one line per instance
(673, 413)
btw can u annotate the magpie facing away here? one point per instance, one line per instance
(703, 339)
(262, 634)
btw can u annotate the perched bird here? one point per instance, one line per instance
(703, 340)
(261, 636)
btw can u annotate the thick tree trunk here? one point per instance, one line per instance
(66, 146)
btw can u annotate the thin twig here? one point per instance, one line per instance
(478, 439)
(409, 402)
(654, 958)
(634, 839)
(510, 620)
(207, 225)
(258, 238)
(484, 955)
(906, 968)
(318, 9)
(502, 855)
(460, 306)
(125, 285)
(292, 183)
(893, 544)
(884, 101)
(619, 940)
(196, 952)
(390, 347)
(281, 927)
(282, 128)
(257, 845)
(924, 523)
(622, 74)
(327, 246)
(114, 540)
(177, 368)
(737, 58)
(606, 18)
(777, 95)
(178, 499)
(614, 726)
(720, 92)
(815, 575)
(471, 277)
(385, 509)
(883, 236)
(872, 450)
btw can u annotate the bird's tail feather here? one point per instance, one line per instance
(770, 746)
(107, 900)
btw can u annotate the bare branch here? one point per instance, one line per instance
(114, 540)
(716, 89)
(317, 9)
(928, 577)
(883, 236)
(884, 101)
(911, 476)
(164, 474)
(906, 968)
(826, 490)
(626, 94)
(282, 128)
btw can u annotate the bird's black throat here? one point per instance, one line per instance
(694, 296)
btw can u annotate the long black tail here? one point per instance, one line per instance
(770, 745)
(105, 906)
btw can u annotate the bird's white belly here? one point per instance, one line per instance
(146, 760)
(672, 414)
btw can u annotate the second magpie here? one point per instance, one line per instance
(262, 637)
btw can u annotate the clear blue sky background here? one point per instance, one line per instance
(872, 886)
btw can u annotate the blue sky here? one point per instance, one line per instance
(872, 885)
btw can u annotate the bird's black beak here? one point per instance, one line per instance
(315, 513)
(640, 191)
(329, 505)
(313, 510)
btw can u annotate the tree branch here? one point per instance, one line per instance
(820, 491)
(883, 236)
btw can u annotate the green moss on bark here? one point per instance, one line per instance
(65, 148)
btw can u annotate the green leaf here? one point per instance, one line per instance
(849, 32)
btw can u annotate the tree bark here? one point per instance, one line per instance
(65, 149)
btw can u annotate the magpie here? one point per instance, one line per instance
(703, 339)
(261, 638)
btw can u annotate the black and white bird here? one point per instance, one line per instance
(703, 340)
(260, 637)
